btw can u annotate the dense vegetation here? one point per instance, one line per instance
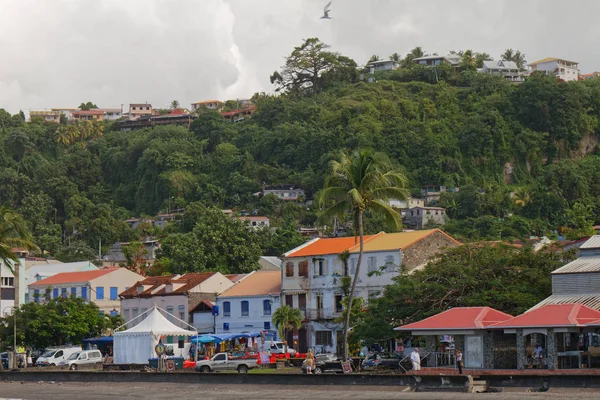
(76, 185)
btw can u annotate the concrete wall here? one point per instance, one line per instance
(204, 322)
(217, 283)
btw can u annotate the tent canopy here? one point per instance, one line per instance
(156, 324)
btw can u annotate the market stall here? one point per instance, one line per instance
(136, 345)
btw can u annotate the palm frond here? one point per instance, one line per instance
(391, 217)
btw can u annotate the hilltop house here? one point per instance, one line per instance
(431, 61)
(562, 69)
(382, 65)
(283, 192)
(419, 217)
(506, 69)
(139, 110)
(209, 104)
(177, 294)
(312, 276)
(100, 286)
(248, 305)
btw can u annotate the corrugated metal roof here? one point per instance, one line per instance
(592, 243)
(582, 264)
(591, 300)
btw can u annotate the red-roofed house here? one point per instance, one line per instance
(461, 320)
(100, 286)
(177, 294)
(312, 275)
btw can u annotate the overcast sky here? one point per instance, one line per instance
(58, 53)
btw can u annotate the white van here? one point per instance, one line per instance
(279, 348)
(53, 357)
(86, 357)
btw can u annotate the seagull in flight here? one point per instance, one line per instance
(326, 11)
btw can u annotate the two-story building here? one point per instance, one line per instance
(432, 61)
(101, 286)
(208, 104)
(112, 114)
(7, 287)
(140, 110)
(432, 194)
(88, 115)
(562, 69)
(506, 69)
(420, 217)
(43, 270)
(255, 222)
(283, 192)
(312, 276)
(47, 115)
(248, 305)
(383, 65)
(176, 294)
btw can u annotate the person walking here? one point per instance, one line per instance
(539, 355)
(310, 361)
(415, 359)
(459, 361)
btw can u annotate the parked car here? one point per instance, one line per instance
(223, 362)
(382, 361)
(55, 356)
(86, 357)
(325, 363)
(279, 348)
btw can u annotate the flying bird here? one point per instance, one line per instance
(326, 11)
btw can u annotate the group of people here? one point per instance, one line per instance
(415, 359)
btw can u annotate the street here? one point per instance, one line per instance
(95, 391)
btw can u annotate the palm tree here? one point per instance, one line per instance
(64, 135)
(285, 318)
(13, 233)
(395, 57)
(174, 105)
(373, 58)
(520, 60)
(417, 52)
(508, 55)
(361, 181)
(521, 197)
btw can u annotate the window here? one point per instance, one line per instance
(372, 264)
(302, 301)
(8, 282)
(143, 311)
(267, 325)
(319, 302)
(36, 295)
(99, 293)
(55, 293)
(170, 313)
(289, 300)
(289, 270)
(147, 108)
(181, 310)
(389, 264)
(338, 303)
(73, 291)
(245, 308)
(227, 309)
(303, 269)
(114, 293)
(323, 338)
(126, 314)
(84, 293)
(225, 326)
(320, 267)
(266, 307)
(134, 313)
(353, 263)
(219, 357)
(133, 108)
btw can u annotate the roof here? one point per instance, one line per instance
(591, 300)
(235, 277)
(206, 303)
(396, 241)
(549, 59)
(382, 62)
(74, 277)
(157, 324)
(139, 105)
(500, 64)
(257, 283)
(583, 264)
(50, 269)
(428, 208)
(175, 113)
(449, 58)
(89, 112)
(209, 101)
(276, 261)
(153, 281)
(253, 218)
(553, 315)
(323, 246)
(592, 243)
(189, 282)
(459, 318)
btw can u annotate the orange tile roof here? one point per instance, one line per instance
(189, 281)
(398, 240)
(459, 318)
(152, 281)
(256, 284)
(553, 315)
(323, 246)
(74, 277)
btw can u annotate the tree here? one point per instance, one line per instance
(395, 57)
(373, 58)
(512, 280)
(417, 52)
(286, 318)
(355, 183)
(516, 56)
(136, 257)
(304, 67)
(76, 251)
(13, 234)
(87, 106)
(174, 105)
(508, 55)
(521, 197)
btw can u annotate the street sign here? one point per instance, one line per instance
(159, 349)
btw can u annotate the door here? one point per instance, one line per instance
(82, 359)
(473, 356)
(220, 362)
(58, 357)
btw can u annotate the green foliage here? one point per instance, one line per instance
(286, 318)
(508, 279)
(76, 251)
(55, 322)
(87, 106)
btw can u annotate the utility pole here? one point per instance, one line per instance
(100, 249)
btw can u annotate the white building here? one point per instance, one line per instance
(41, 271)
(283, 192)
(7, 287)
(176, 294)
(248, 305)
(208, 104)
(112, 114)
(451, 59)
(312, 276)
(101, 286)
(202, 317)
(255, 222)
(562, 69)
(506, 69)
(382, 65)
(410, 202)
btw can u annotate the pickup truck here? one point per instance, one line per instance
(223, 362)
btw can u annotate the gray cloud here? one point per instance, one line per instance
(59, 53)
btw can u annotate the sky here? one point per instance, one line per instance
(59, 53)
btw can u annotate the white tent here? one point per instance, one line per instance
(136, 345)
